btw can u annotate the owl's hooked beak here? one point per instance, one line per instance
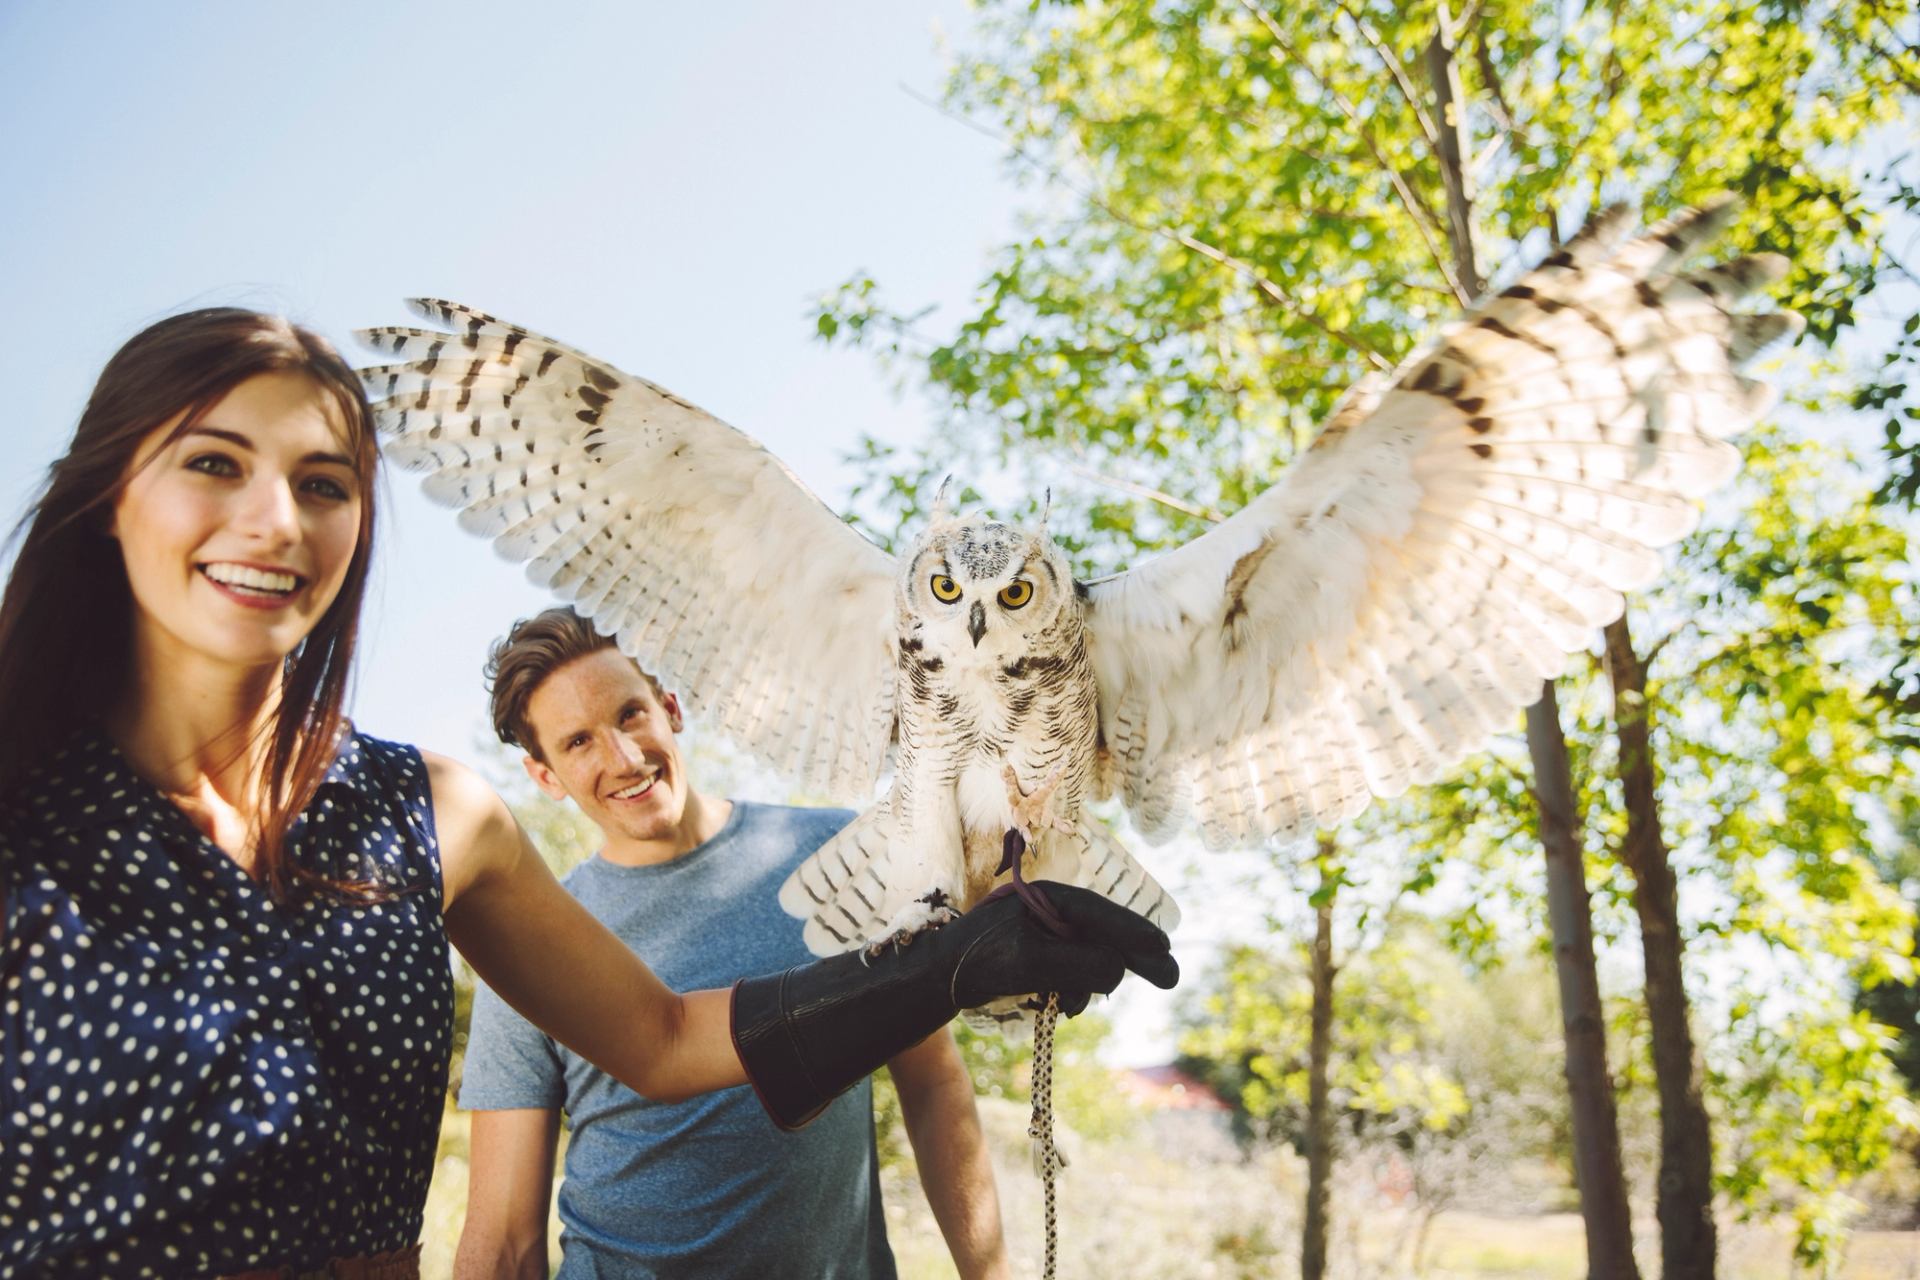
(977, 623)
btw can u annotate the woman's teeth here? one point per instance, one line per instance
(260, 582)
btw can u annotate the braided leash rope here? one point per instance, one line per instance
(1048, 1159)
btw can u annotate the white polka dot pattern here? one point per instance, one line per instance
(194, 1080)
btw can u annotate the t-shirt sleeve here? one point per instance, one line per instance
(510, 1062)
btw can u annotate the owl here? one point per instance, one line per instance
(1455, 530)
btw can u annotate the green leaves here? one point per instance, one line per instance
(1237, 209)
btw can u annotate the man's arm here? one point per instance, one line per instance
(936, 1101)
(509, 1185)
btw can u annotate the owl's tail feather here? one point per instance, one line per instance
(842, 890)
(1094, 859)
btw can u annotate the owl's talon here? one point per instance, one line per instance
(929, 911)
(1033, 811)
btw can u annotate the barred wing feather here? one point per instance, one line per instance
(713, 565)
(1445, 542)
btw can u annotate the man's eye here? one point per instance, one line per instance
(213, 464)
(574, 744)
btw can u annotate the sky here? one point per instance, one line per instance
(668, 187)
(665, 186)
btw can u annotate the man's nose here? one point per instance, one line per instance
(627, 751)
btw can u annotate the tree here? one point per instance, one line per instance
(1248, 214)
(1428, 1069)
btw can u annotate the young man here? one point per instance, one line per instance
(710, 1187)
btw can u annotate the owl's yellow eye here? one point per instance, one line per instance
(1016, 593)
(945, 589)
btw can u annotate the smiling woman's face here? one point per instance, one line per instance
(237, 535)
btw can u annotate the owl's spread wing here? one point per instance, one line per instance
(1440, 548)
(714, 566)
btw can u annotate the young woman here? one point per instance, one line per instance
(225, 1004)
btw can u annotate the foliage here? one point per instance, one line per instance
(1783, 759)
(1783, 775)
(1818, 1103)
(1239, 210)
(1083, 1092)
(1248, 1036)
(1444, 1071)
(1245, 215)
(1897, 1005)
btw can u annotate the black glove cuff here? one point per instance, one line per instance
(770, 1051)
(808, 1035)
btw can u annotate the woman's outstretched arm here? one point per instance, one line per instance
(563, 970)
(799, 1037)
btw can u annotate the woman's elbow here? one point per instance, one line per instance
(662, 1066)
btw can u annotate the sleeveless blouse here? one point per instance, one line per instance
(193, 1079)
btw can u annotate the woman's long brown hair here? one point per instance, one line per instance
(66, 620)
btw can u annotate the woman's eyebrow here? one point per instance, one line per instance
(219, 433)
(241, 441)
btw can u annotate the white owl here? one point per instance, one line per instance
(1451, 535)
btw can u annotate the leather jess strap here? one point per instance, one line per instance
(401, 1264)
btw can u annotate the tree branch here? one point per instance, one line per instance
(1398, 71)
(1424, 219)
(1145, 491)
(1246, 270)
(1483, 58)
(1449, 100)
(1905, 76)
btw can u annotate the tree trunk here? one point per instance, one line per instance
(1313, 1243)
(1444, 71)
(1596, 1130)
(1684, 1201)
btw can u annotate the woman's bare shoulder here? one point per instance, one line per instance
(477, 830)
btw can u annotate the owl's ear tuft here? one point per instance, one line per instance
(1046, 508)
(941, 512)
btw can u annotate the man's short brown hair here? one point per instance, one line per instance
(534, 649)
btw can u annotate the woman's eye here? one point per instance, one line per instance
(213, 464)
(945, 589)
(326, 487)
(1016, 593)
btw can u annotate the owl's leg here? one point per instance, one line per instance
(1033, 811)
(1034, 832)
(925, 850)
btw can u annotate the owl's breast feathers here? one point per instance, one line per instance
(1038, 706)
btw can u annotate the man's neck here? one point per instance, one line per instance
(700, 821)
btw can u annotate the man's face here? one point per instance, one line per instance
(609, 742)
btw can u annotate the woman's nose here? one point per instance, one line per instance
(267, 509)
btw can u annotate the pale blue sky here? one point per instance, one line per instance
(666, 186)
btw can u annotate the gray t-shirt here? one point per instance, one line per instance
(709, 1187)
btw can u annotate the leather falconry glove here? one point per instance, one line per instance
(808, 1035)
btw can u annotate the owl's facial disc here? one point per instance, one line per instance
(982, 591)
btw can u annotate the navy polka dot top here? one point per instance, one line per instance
(193, 1080)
